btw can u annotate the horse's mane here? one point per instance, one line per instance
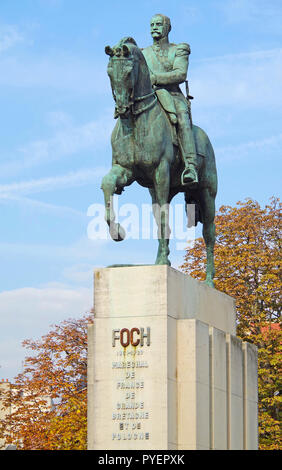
(127, 39)
(135, 50)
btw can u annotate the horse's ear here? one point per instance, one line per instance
(109, 51)
(125, 50)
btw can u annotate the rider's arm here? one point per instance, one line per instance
(180, 66)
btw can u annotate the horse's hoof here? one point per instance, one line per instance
(162, 262)
(117, 233)
(210, 283)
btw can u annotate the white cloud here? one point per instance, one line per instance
(260, 55)
(11, 356)
(232, 152)
(69, 180)
(76, 252)
(264, 15)
(66, 141)
(31, 306)
(243, 80)
(9, 37)
(29, 313)
(43, 207)
(59, 119)
(60, 71)
(79, 273)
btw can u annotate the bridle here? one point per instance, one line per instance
(133, 100)
(144, 108)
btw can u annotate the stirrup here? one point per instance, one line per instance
(187, 180)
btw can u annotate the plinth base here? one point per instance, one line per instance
(165, 369)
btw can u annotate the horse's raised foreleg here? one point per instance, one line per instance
(114, 182)
(207, 204)
(160, 197)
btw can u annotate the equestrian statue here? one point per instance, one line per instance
(154, 141)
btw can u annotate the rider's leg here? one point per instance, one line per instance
(188, 150)
(186, 140)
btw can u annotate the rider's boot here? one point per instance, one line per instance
(189, 176)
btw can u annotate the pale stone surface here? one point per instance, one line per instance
(189, 298)
(235, 393)
(189, 383)
(155, 398)
(250, 397)
(193, 384)
(92, 350)
(164, 291)
(218, 390)
(5, 387)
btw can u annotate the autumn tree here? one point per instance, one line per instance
(48, 399)
(248, 268)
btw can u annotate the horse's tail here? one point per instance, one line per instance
(207, 169)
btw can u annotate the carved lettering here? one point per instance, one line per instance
(123, 385)
(115, 336)
(145, 335)
(124, 333)
(129, 413)
(135, 337)
(129, 364)
(130, 436)
(130, 406)
(137, 341)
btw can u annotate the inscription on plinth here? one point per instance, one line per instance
(128, 383)
(130, 415)
(165, 370)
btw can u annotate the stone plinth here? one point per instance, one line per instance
(165, 369)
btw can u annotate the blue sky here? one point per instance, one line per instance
(55, 123)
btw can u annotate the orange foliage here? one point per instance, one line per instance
(48, 399)
(248, 268)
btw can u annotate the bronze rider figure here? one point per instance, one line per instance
(168, 65)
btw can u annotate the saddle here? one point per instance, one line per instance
(166, 101)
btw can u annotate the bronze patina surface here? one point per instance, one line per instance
(154, 141)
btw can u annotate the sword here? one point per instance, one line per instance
(188, 98)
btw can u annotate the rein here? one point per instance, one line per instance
(144, 108)
(137, 100)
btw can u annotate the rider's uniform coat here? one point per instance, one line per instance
(169, 65)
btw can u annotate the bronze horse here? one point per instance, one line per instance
(144, 150)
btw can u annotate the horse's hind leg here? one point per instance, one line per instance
(114, 182)
(207, 205)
